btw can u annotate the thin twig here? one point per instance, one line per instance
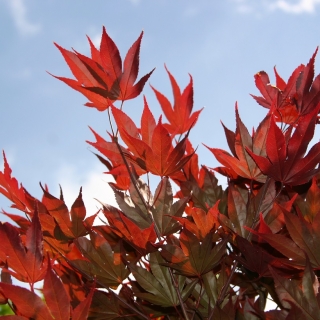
(134, 181)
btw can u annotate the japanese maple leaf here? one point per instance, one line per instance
(301, 297)
(151, 147)
(25, 260)
(73, 224)
(193, 257)
(240, 164)
(126, 228)
(102, 78)
(115, 163)
(288, 101)
(10, 188)
(179, 115)
(284, 160)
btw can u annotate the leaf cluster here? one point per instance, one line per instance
(202, 253)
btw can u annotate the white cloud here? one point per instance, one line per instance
(302, 6)
(19, 14)
(287, 6)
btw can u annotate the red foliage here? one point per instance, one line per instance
(205, 253)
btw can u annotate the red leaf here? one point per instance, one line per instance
(159, 157)
(82, 310)
(101, 78)
(268, 92)
(148, 124)
(280, 83)
(72, 227)
(25, 263)
(241, 164)
(10, 188)
(285, 161)
(289, 101)
(110, 57)
(55, 295)
(27, 303)
(179, 115)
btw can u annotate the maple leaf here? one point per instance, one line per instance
(303, 296)
(10, 188)
(101, 261)
(152, 150)
(26, 261)
(116, 168)
(179, 115)
(158, 285)
(27, 303)
(203, 189)
(73, 224)
(131, 230)
(56, 296)
(288, 101)
(193, 257)
(304, 239)
(241, 164)
(285, 161)
(82, 310)
(203, 222)
(72, 280)
(107, 306)
(311, 204)
(102, 78)
(164, 210)
(256, 259)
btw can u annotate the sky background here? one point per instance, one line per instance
(222, 44)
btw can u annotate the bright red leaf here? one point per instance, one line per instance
(288, 101)
(151, 150)
(179, 115)
(102, 78)
(241, 164)
(285, 161)
(25, 260)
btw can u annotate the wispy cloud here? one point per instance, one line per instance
(302, 6)
(18, 11)
(287, 6)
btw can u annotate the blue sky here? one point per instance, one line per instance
(222, 44)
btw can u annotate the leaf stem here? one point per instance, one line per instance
(133, 179)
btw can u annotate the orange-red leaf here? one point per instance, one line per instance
(27, 303)
(101, 78)
(82, 310)
(179, 115)
(56, 296)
